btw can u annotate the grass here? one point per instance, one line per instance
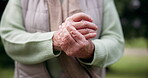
(130, 67)
(112, 75)
(136, 43)
(6, 72)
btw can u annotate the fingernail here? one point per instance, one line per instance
(92, 19)
(94, 34)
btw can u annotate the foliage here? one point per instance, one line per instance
(133, 15)
(2, 6)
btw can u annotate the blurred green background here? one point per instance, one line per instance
(134, 63)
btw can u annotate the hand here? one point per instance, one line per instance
(83, 23)
(83, 27)
(86, 28)
(75, 44)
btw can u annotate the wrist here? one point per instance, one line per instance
(56, 45)
(90, 51)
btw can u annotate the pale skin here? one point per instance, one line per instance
(73, 36)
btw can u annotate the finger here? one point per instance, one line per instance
(64, 35)
(84, 24)
(86, 31)
(60, 26)
(63, 25)
(90, 36)
(79, 16)
(67, 42)
(75, 34)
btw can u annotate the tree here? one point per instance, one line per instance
(133, 15)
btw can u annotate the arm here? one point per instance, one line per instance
(27, 48)
(109, 48)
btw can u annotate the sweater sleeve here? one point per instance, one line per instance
(22, 46)
(109, 48)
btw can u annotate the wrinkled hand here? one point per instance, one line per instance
(74, 43)
(73, 36)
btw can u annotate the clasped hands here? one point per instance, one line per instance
(73, 36)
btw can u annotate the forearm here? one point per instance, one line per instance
(28, 48)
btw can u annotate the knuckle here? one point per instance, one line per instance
(68, 28)
(87, 30)
(85, 23)
(76, 49)
(83, 31)
(89, 24)
(63, 43)
(66, 36)
(74, 33)
(82, 45)
(65, 40)
(69, 53)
